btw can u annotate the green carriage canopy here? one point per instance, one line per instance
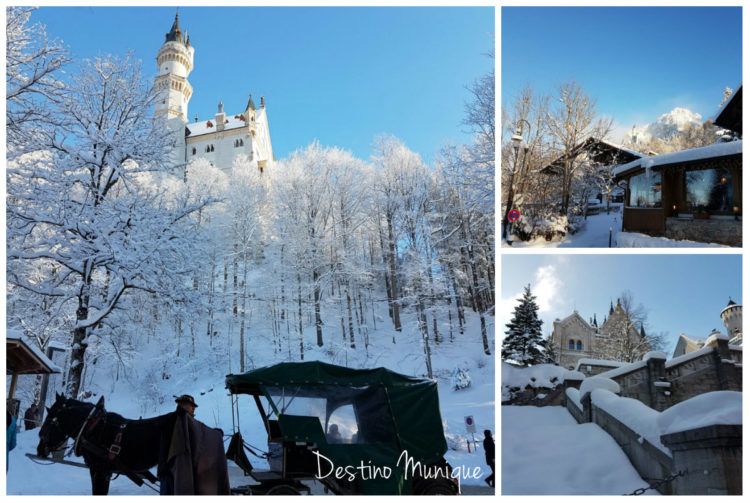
(403, 411)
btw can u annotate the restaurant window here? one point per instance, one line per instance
(709, 190)
(645, 190)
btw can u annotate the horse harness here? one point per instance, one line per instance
(108, 455)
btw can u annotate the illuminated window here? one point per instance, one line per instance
(709, 190)
(645, 190)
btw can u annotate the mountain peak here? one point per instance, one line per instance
(667, 125)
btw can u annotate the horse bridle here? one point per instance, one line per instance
(44, 435)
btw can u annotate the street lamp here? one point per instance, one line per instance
(517, 141)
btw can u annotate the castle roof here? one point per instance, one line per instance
(250, 104)
(203, 127)
(175, 34)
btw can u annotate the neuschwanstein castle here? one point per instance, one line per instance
(219, 139)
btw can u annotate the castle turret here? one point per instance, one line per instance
(174, 62)
(732, 318)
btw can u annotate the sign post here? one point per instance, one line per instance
(471, 427)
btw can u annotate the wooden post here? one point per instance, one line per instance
(13, 382)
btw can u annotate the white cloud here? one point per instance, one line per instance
(547, 287)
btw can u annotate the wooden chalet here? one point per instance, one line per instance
(600, 152)
(603, 154)
(730, 115)
(693, 194)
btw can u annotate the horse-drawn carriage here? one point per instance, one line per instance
(354, 431)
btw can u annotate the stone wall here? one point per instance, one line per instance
(711, 230)
(711, 371)
(708, 459)
(712, 457)
(651, 463)
(660, 384)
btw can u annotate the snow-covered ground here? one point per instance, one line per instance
(545, 451)
(147, 389)
(637, 240)
(595, 234)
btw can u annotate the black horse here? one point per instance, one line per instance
(108, 442)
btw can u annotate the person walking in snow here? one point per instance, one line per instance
(29, 417)
(489, 456)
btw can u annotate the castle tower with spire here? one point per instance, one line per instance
(732, 318)
(175, 62)
(218, 139)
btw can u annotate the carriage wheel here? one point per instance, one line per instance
(436, 487)
(283, 489)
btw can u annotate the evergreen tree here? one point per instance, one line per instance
(523, 342)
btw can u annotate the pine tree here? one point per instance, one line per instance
(523, 342)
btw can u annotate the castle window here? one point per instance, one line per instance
(571, 344)
(579, 346)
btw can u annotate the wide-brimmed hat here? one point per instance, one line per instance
(186, 399)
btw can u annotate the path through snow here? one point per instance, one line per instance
(546, 452)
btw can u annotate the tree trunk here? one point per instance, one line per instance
(299, 307)
(394, 282)
(351, 323)
(80, 344)
(316, 300)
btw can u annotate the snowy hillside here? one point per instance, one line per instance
(148, 389)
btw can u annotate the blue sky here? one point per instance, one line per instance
(339, 75)
(681, 293)
(640, 62)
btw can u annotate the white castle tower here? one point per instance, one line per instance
(218, 139)
(732, 318)
(175, 62)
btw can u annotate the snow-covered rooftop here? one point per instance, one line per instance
(231, 122)
(695, 154)
(16, 335)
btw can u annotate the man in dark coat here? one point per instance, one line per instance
(186, 403)
(489, 456)
(191, 458)
(29, 417)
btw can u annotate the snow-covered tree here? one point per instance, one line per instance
(624, 338)
(87, 211)
(523, 342)
(31, 63)
(572, 119)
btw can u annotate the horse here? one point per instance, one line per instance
(108, 442)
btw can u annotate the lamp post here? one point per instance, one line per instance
(516, 140)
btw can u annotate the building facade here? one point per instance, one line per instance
(219, 139)
(573, 338)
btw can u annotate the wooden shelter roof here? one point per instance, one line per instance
(20, 358)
